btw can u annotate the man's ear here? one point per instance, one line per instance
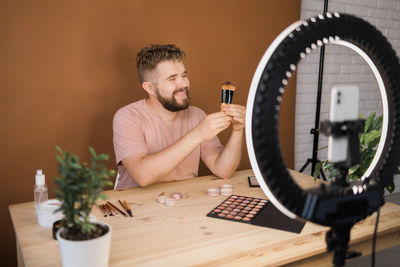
(148, 87)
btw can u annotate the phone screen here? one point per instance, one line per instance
(344, 106)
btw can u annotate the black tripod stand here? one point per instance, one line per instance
(337, 238)
(315, 131)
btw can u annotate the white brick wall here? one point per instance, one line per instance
(342, 65)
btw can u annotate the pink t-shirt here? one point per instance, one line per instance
(139, 130)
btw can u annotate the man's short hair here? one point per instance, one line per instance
(149, 57)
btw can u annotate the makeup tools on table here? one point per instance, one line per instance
(126, 207)
(228, 88)
(255, 211)
(109, 209)
(171, 201)
(105, 210)
(253, 181)
(239, 208)
(225, 190)
(120, 211)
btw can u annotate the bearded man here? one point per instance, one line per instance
(162, 138)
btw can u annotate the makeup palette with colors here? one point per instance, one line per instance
(239, 208)
(255, 211)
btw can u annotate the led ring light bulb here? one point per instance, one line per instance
(263, 105)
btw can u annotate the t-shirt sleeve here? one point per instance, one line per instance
(128, 136)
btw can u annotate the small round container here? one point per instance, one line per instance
(176, 196)
(161, 199)
(213, 192)
(225, 191)
(45, 212)
(170, 202)
(227, 186)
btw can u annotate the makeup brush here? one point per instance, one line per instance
(128, 209)
(228, 88)
(115, 211)
(107, 209)
(103, 210)
(116, 208)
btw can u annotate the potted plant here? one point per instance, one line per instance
(369, 139)
(82, 242)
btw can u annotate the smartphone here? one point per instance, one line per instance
(344, 106)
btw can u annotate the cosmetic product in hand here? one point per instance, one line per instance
(228, 88)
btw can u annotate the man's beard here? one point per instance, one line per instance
(171, 104)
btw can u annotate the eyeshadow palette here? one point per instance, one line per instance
(253, 181)
(254, 211)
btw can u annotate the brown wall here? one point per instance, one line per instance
(66, 67)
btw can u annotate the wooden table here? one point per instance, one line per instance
(183, 235)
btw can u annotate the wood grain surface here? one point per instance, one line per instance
(183, 235)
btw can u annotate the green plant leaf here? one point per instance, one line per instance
(103, 157)
(377, 123)
(92, 152)
(79, 187)
(317, 170)
(59, 149)
(368, 123)
(369, 139)
(372, 136)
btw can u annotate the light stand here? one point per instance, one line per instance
(315, 131)
(338, 237)
(339, 204)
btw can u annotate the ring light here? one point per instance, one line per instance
(329, 204)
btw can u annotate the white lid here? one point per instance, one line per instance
(50, 204)
(169, 202)
(40, 177)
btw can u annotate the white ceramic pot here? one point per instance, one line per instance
(45, 212)
(87, 253)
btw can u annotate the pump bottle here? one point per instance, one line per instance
(40, 189)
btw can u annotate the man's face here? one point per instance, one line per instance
(172, 86)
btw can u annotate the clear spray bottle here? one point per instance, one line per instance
(41, 193)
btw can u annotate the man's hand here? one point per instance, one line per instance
(225, 163)
(213, 124)
(238, 113)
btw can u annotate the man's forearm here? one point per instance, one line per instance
(229, 159)
(154, 167)
(149, 169)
